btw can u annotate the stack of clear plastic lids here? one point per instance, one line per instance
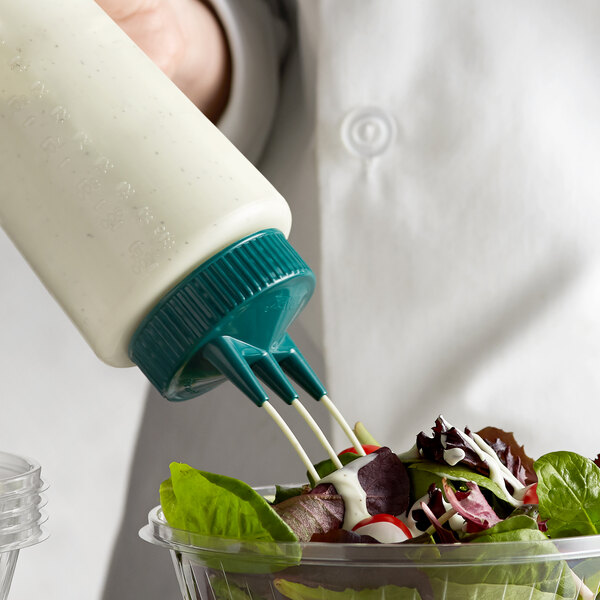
(21, 515)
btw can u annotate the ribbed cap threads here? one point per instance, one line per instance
(190, 314)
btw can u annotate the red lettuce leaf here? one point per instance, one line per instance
(435, 503)
(445, 535)
(386, 483)
(319, 511)
(447, 438)
(510, 453)
(472, 506)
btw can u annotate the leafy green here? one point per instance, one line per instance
(456, 473)
(223, 589)
(325, 467)
(450, 590)
(589, 572)
(509, 579)
(284, 492)
(472, 506)
(216, 505)
(364, 437)
(509, 452)
(312, 513)
(514, 529)
(298, 591)
(386, 483)
(569, 494)
(519, 577)
(501, 507)
(420, 481)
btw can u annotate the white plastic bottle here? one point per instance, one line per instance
(116, 188)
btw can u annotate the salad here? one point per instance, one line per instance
(454, 487)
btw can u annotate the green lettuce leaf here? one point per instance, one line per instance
(216, 505)
(298, 591)
(519, 578)
(588, 571)
(283, 493)
(364, 437)
(325, 467)
(449, 590)
(223, 589)
(548, 579)
(456, 473)
(312, 513)
(420, 481)
(514, 529)
(569, 494)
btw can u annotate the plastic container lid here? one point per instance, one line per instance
(21, 501)
(18, 475)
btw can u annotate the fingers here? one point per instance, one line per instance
(120, 10)
(153, 25)
(185, 40)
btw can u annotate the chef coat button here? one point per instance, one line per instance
(368, 131)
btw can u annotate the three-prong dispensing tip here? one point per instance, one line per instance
(228, 318)
(247, 366)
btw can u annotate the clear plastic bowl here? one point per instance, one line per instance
(211, 568)
(21, 514)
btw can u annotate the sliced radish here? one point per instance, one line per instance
(385, 528)
(368, 448)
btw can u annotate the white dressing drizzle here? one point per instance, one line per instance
(456, 522)
(348, 487)
(508, 476)
(337, 415)
(453, 455)
(293, 440)
(408, 518)
(318, 432)
(499, 474)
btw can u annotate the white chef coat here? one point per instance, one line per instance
(453, 213)
(441, 161)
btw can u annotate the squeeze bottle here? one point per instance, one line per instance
(163, 244)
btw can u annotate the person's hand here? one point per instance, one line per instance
(185, 39)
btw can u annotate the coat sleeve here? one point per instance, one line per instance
(257, 37)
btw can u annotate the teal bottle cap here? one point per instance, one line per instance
(228, 319)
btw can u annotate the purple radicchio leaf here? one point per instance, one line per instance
(509, 452)
(435, 503)
(472, 506)
(319, 511)
(386, 483)
(384, 479)
(444, 438)
(445, 535)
